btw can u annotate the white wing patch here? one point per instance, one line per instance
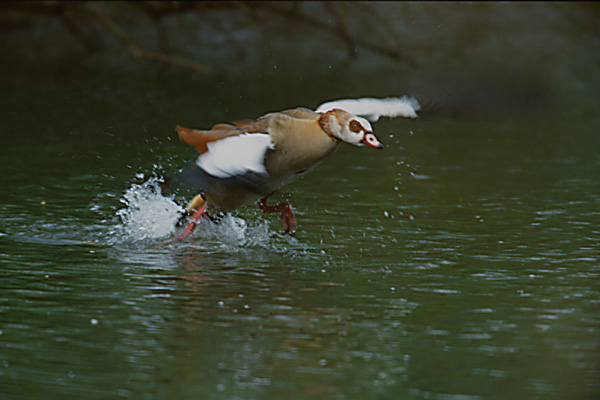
(236, 155)
(372, 109)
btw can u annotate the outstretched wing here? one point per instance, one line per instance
(373, 109)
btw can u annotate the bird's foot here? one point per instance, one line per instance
(287, 214)
(196, 215)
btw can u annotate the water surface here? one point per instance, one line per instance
(461, 262)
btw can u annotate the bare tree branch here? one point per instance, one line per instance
(140, 54)
(70, 23)
(383, 23)
(332, 18)
(341, 29)
(335, 31)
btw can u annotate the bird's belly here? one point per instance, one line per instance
(229, 194)
(225, 195)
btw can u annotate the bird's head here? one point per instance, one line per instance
(348, 128)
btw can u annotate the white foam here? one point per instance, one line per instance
(236, 155)
(148, 214)
(149, 218)
(373, 109)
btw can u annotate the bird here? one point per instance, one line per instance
(247, 161)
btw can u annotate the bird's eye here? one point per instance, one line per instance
(355, 126)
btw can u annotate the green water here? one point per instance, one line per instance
(460, 262)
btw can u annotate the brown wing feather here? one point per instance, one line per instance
(198, 138)
(302, 113)
(242, 123)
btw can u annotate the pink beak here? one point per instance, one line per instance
(371, 141)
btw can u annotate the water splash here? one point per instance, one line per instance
(230, 235)
(149, 217)
(148, 214)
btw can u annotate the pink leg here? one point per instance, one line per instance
(289, 220)
(199, 213)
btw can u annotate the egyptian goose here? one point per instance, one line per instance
(247, 161)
